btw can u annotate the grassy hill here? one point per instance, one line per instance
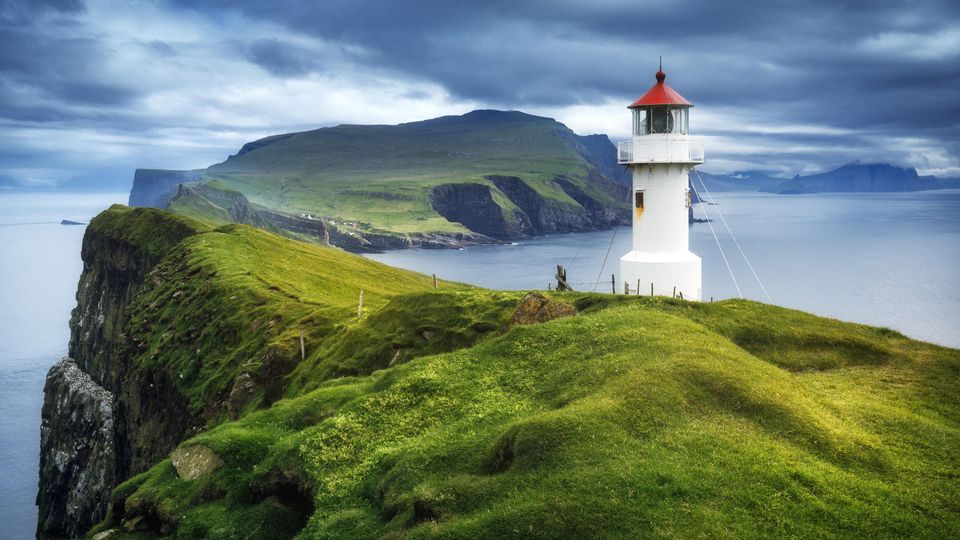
(492, 173)
(434, 416)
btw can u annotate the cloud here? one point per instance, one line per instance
(282, 59)
(779, 86)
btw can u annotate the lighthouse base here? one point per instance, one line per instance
(669, 273)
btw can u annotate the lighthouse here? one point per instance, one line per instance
(660, 154)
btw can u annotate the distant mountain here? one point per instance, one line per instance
(484, 176)
(101, 181)
(738, 181)
(856, 177)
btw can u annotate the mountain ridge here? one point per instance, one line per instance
(378, 181)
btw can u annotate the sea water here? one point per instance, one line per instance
(885, 259)
(39, 269)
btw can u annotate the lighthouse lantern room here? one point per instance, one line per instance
(660, 155)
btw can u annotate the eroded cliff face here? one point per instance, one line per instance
(77, 464)
(154, 188)
(103, 421)
(509, 208)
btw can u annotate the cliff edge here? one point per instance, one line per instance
(249, 394)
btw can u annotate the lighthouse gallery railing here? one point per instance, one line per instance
(644, 150)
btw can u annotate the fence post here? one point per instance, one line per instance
(638, 287)
(360, 306)
(434, 281)
(626, 288)
(651, 288)
(613, 283)
(681, 295)
(674, 291)
(561, 276)
(303, 348)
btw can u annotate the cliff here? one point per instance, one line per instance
(153, 188)
(87, 433)
(457, 411)
(139, 378)
(77, 459)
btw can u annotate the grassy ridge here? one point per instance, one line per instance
(637, 417)
(234, 299)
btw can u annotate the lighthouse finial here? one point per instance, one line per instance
(661, 63)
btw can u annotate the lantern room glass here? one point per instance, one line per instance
(660, 120)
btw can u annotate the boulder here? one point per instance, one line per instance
(192, 462)
(536, 308)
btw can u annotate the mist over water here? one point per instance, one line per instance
(885, 259)
(39, 269)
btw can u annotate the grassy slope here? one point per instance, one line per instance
(638, 416)
(234, 299)
(338, 171)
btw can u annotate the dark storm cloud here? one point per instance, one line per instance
(843, 76)
(890, 68)
(60, 71)
(20, 9)
(808, 60)
(282, 59)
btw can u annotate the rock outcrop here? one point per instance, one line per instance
(536, 308)
(194, 462)
(77, 458)
(473, 206)
(510, 208)
(104, 421)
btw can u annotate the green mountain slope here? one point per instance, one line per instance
(433, 416)
(492, 174)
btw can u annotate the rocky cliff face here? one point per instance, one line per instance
(154, 188)
(102, 420)
(77, 464)
(509, 208)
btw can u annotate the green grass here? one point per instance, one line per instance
(234, 299)
(637, 417)
(381, 175)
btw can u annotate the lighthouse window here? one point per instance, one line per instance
(639, 199)
(639, 122)
(661, 120)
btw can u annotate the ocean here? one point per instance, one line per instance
(887, 259)
(39, 269)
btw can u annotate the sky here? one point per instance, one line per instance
(92, 89)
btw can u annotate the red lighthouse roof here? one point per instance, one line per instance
(660, 94)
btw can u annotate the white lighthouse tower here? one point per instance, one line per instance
(660, 155)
